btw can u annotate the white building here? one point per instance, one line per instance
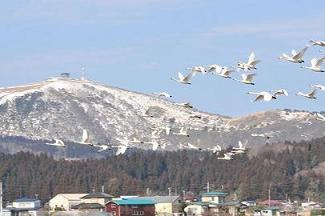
(25, 206)
(216, 197)
(194, 209)
(65, 201)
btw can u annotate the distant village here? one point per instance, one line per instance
(187, 204)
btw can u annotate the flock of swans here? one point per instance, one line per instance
(247, 77)
(85, 140)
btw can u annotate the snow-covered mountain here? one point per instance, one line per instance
(61, 108)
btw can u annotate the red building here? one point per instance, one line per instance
(131, 207)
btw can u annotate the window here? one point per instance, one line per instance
(113, 206)
(134, 206)
(138, 212)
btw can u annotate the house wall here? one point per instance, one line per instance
(113, 208)
(192, 210)
(215, 199)
(210, 199)
(101, 201)
(27, 205)
(60, 202)
(138, 210)
(164, 208)
(63, 202)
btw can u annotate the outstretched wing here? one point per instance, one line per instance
(188, 77)
(251, 58)
(180, 76)
(301, 53)
(249, 77)
(318, 62)
(312, 93)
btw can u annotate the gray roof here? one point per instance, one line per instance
(97, 195)
(88, 206)
(160, 199)
(26, 199)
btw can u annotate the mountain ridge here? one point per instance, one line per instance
(60, 108)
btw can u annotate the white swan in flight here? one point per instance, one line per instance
(121, 149)
(315, 65)
(102, 147)
(216, 149)
(241, 146)
(251, 63)
(264, 135)
(183, 132)
(154, 143)
(195, 116)
(317, 42)
(164, 94)
(223, 71)
(197, 69)
(58, 143)
(310, 95)
(147, 114)
(227, 156)
(186, 105)
(190, 146)
(155, 133)
(85, 139)
(265, 96)
(280, 92)
(319, 86)
(295, 57)
(183, 80)
(320, 117)
(247, 79)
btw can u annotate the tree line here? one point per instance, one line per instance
(290, 170)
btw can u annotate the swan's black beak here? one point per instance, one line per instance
(273, 97)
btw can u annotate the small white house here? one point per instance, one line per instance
(26, 203)
(194, 209)
(64, 201)
(216, 197)
(25, 206)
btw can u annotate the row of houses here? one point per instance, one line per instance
(102, 204)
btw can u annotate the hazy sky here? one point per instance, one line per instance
(139, 44)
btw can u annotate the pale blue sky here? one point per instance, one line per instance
(139, 44)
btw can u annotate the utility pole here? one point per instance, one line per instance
(169, 191)
(208, 187)
(103, 189)
(1, 198)
(269, 195)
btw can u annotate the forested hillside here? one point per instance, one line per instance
(293, 170)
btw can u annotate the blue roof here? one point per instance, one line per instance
(134, 202)
(215, 193)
